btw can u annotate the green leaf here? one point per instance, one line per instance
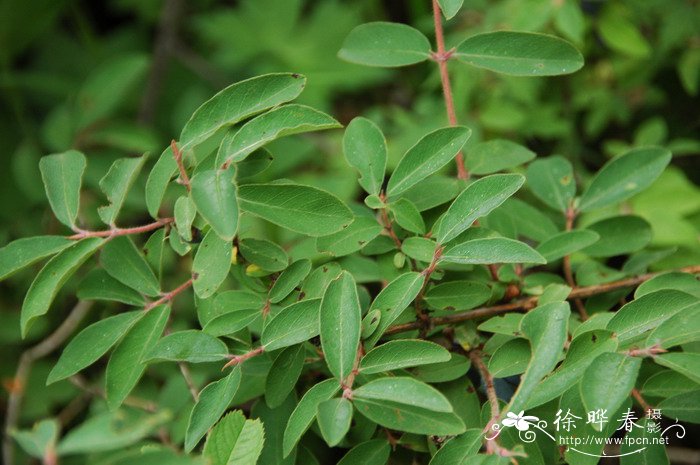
(214, 194)
(52, 277)
(648, 312)
(492, 250)
(619, 235)
(685, 407)
(497, 155)
(624, 176)
(296, 323)
(305, 412)
(477, 200)
(302, 209)
(426, 157)
(401, 354)
(351, 239)
(510, 359)
(687, 364)
(188, 346)
(652, 454)
(340, 325)
(154, 251)
(123, 261)
(40, 441)
(450, 7)
(158, 180)
(278, 122)
(456, 367)
(212, 403)
(685, 282)
(393, 300)
(211, 264)
(372, 452)
(185, 212)
(546, 329)
(583, 350)
(289, 280)
(520, 53)
(419, 248)
(385, 44)
(99, 285)
(623, 36)
(364, 148)
(286, 368)
(566, 243)
(116, 185)
(239, 101)
(552, 181)
(27, 251)
(459, 450)
(267, 255)
(111, 431)
(235, 440)
(681, 328)
(232, 321)
(406, 404)
(433, 191)
(404, 390)
(108, 86)
(407, 216)
(125, 367)
(62, 174)
(608, 382)
(668, 383)
(92, 343)
(457, 295)
(254, 164)
(334, 417)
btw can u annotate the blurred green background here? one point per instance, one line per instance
(119, 77)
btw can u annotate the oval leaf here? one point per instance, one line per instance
(211, 264)
(302, 209)
(401, 354)
(340, 325)
(477, 200)
(50, 279)
(123, 261)
(429, 154)
(520, 53)
(278, 122)
(624, 176)
(62, 174)
(188, 346)
(214, 194)
(385, 44)
(364, 148)
(92, 343)
(492, 250)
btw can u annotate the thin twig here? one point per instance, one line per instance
(237, 359)
(531, 302)
(570, 218)
(185, 370)
(441, 57)
(113, 232)
(28, 357)
(475, 356)
(168, 296)
(177, 153)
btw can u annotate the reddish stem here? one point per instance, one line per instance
(177, 153)
(441, 57)
(82, 234)
(568, 274)
(168, 296)
(236, 359)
